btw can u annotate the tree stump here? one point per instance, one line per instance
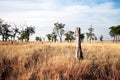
(79, 54)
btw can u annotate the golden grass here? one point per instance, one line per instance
(56, 61)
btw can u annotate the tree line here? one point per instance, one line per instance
(58, 31)
(9, 32)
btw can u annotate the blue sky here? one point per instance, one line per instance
(44, 13)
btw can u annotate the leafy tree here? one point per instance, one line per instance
(69, 36)
(49, 37)
(14, 32)
(5, 31)
(115, 32)
(29, 31)
(87, 34)
(118, 32)
(90, 35)
(54, 37)
(59, 30)
(22, 36)
(38, 39)
(82, 36)
(101, 38)
(25, 34)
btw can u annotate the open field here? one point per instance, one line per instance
(56, 61)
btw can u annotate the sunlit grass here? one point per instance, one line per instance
(56, 61)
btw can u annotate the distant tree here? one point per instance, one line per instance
(29, 31)
(26, 33)
(14, 32)
(115, 32)
(69, 36)
(49, 36)
(101, 38)
(95, 38)
(59, 30)
(82, 36)
(118, 31)
(38, 38)
(87, 34)
(54, 37)
(5, 32)
(90, 35)
(23, 36)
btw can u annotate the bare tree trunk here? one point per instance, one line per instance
(60, 38)
(79, 54)
(113, 39)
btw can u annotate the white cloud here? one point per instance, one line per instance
(45, 13)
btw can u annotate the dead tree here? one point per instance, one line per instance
(79, 54)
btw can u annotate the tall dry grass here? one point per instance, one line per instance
(56, 61)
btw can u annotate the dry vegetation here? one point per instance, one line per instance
(55, 61)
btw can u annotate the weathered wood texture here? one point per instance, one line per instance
(79, 54)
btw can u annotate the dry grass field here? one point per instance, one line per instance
(56, 61)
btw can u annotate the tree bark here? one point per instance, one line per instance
(60, 38)
(79, 54)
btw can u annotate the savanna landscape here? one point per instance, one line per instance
(56, 61)
(59, 39)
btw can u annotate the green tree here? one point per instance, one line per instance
(13, 33)
(26, 33)
(87, 34)
(5, 32)
(118, 32)
(59, 30)
(54, 37)
(38, 38)
(49, 36)
(82, 36)
(95, 38)
(112, 32)
(90, 35)
(115, 32)
(22, 36)
(101, 38)
(69, 36)
(29, 31)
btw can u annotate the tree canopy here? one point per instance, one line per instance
(59, 30)
(115, 32)
(69, 36)
(90, 35)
